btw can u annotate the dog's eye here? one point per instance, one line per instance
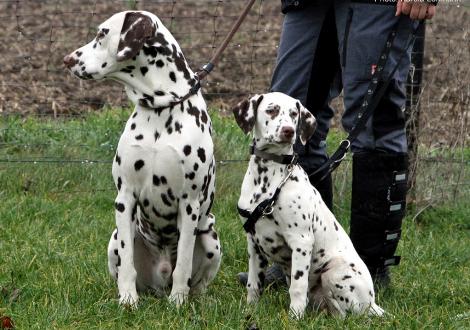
(269, 111)
(293, 114)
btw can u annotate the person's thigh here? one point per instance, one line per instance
(299, 39)
(366, 34)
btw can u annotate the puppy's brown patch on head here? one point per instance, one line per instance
(245, 113)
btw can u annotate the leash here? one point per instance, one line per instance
(209, 66)
(370, 102)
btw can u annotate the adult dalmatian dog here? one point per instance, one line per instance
(164, 168)
(300, 234)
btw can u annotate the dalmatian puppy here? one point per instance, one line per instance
(164, 168)
(300, 234)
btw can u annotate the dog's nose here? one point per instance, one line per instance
(287, 132)
(69, 61)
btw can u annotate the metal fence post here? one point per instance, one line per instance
(413, 106)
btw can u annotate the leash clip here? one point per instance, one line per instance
(269, 209)
(346, 148)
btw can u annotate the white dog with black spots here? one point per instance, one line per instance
(164, 168)
(301, 234)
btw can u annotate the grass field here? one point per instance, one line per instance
(56, 218)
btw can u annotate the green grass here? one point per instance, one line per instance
(56, 218)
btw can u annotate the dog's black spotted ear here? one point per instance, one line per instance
(136, 29)
(245, 113)
(307, 124)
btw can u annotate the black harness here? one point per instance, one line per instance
(266, 207)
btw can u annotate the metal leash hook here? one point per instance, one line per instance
(290, 169)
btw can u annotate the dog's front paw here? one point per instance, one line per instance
(253, 296)
(129, 300)
(178, 297)
(297, 311)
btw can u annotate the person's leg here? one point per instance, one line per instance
(308, 63)
(380, 151)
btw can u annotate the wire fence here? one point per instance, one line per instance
(35, 35)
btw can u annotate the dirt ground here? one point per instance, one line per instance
(35, 35)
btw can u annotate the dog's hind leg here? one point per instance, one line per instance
(187, 224)
(207, 257)
(113, 257)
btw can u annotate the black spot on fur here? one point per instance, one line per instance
(351, 288)
(139, 137)
(187, 150)
(118, 159)
(189, 209)
(201, 154)
(165, 200)
(298, 274)
(269, 239)
(160, 63)
(144, 70)
(119, 183)
(172, 76)
(191, 176)
(139, 164)
(120, 207)
(122, 244)
(210, 255)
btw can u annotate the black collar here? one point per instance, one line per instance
(281, 159)
(192, 91)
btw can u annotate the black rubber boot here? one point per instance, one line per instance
(377, 208)
(274, 277)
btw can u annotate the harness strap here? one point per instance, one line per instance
(260, 210)
(370, 102)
